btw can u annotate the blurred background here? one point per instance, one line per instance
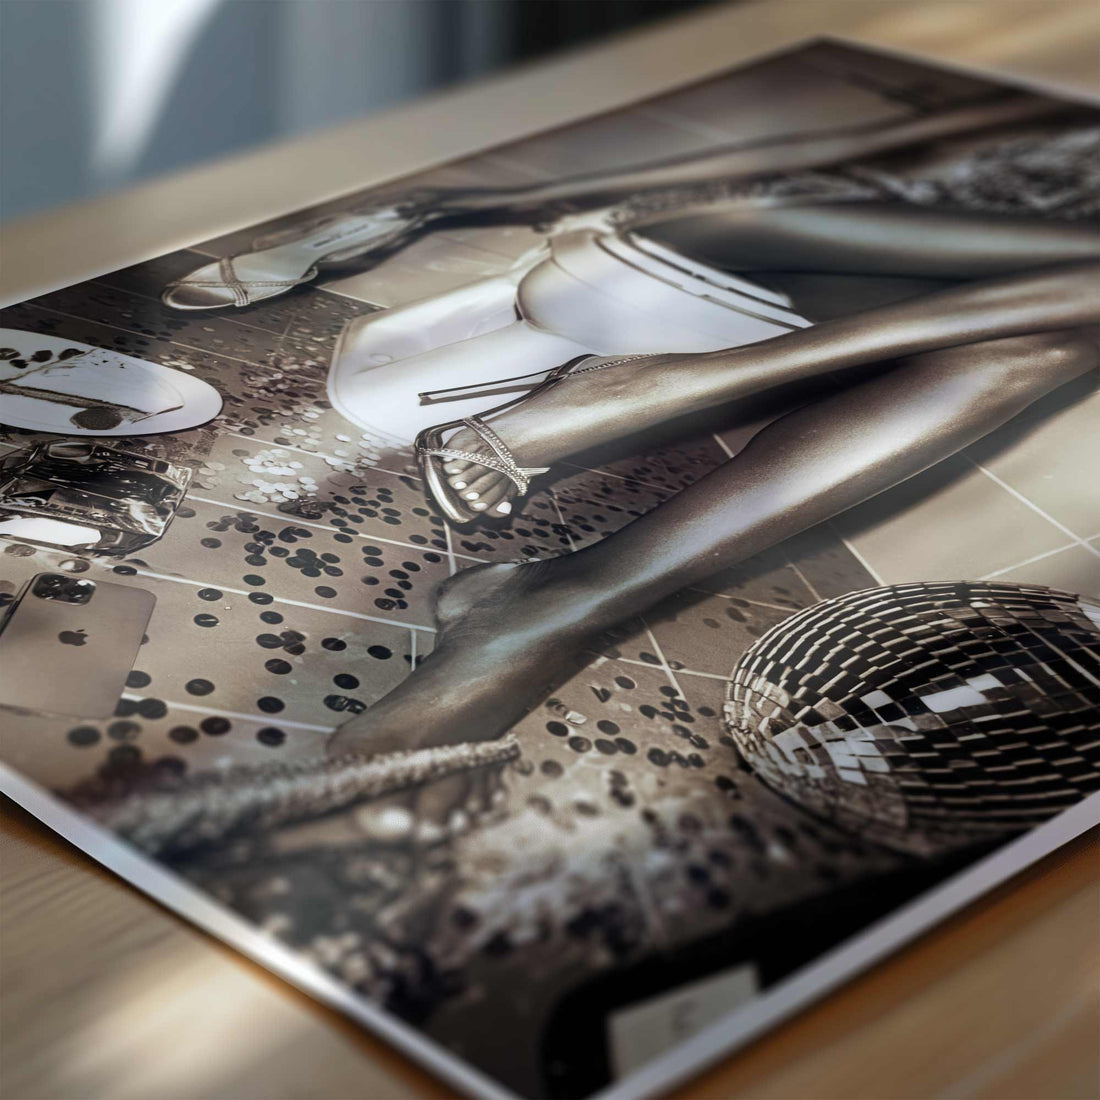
(97, 94)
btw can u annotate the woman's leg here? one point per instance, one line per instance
(593, 408)
(507, 631)
(787, 153)
(877, 238)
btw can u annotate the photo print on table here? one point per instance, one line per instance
(625, 566)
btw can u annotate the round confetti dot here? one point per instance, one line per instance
(206, 620)
(626, 746)
(604, 726)
(551, 768)
(215, 726)
(210, 544)
(254, 579)
(83, 736)
(269, 641)
(138, 679)
(608, 748)
(579, 744)
(625, 682)
(123, 731)
(272, 617)
(183, 735)
(124, 755)
(198, 687)
(380, 652)
(658, 757)
(558, 729)
(278, 667)
(152, 709)
(209, 594)
(324, 591)
(261, 597)
(334, 644)
(269, 735)
(346, 681)
(270, 705)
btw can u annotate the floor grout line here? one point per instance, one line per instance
(451, 555)
(618, 477)
(804, 579)
(875, 575)
(263, 719)
(132, 332)
(664, 661)
(285, 599)
(328, 288)
(1028, 561)
(705, 675)
(1033, 506)
(288, 519)
(561, 519)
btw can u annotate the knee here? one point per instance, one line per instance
(1022, 365)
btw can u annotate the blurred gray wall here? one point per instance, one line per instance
(95, 94)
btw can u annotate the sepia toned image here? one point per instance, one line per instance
(548, 605)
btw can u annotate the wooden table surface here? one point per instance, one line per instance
(105, 994)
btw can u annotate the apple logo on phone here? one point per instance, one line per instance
(72, 637)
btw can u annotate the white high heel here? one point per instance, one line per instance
(432, 451)
(283, 261)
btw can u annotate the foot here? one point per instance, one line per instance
(581, 411)
(283, 260)
(504, 633)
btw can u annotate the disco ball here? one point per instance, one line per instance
(926, 716)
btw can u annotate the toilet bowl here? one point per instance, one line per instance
(583, 293)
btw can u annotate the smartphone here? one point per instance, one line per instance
(68, 644)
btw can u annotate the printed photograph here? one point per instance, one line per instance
(565, 594)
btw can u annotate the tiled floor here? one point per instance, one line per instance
(276, 618)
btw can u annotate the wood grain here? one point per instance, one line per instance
(107, 995)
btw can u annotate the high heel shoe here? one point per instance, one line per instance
(432, 451)
(279, 262)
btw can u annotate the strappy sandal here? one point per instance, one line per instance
(299, 253)
(432, 453)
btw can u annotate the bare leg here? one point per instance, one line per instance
(507, 631)
(603, 405)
